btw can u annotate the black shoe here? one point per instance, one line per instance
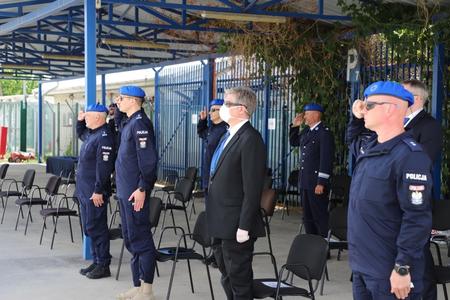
(84, 271)
(210, 259)
(99, 272)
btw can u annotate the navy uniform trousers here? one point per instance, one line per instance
(138, 240)
(95, 226)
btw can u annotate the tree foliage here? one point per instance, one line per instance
(15, 87)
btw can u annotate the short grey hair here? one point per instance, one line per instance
(245, 96)
(418, 88)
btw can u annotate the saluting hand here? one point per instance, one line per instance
(203, 114)
(298, 120)
(400, 285)
(81, 115)
(139, 198)
(97, 199)
(358, 108)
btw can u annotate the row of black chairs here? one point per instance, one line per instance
(28, 195)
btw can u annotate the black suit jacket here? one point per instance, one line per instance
(235, 187)
(428, 132)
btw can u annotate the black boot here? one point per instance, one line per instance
(84, 271)
(99, 272)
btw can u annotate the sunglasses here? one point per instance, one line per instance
(371, 105)
(214, 109)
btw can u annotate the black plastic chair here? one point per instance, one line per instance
(37, 196)
(179, 200)
(306, 260)
(199, 236)
(60, 209)
(268, 201)
(3, 171)
(290, 190)
(155, 212)
(337, 235)
(339, 190)
(26, 186)
(441, 222)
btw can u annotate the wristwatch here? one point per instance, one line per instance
(401, 270)
(141, 190)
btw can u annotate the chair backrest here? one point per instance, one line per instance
(201, 234)
(340, 188)
(52, 186)
(3, 170)
(309, 251)
(184, 189)
(268, 200)
(28, 179)
(441, 211)
(293, 178)
(155, 211)
(191, 173)
(338, 222)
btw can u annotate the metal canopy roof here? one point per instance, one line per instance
(44, 39)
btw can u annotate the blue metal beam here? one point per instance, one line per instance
(37, 15)
(40, 100)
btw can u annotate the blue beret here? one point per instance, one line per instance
(132, 91)
(390, 88)
(97, 108)
(313, 106)
(216, 102)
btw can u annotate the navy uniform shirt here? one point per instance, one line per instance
(211, 136)
(96, 161)
(137, 157)
(316, 155)
(389, 215)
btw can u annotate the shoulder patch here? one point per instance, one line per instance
(412, 145)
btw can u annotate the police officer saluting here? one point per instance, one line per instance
(316, 165)
(93, 189)
(389, 218)
(135, 177)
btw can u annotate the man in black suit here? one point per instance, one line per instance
(316, 144)
(428, 132)
(236, 181)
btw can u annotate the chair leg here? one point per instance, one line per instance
(70, 226)
(156, 268)
(190, 275)
(187, 220)
(18, 215)
(322, 280)
(173, 221)
(54, 233)
(209, 275)
(444, 287)
(42, 231)
(120, 260)
(28, 219)
(171, 278)
(4, 210)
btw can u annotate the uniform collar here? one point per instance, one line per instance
(134, 115)
(315, 125)
(375, 148)
(98, 128)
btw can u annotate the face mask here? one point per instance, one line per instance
(224, 113)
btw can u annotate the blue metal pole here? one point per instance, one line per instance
(266, 108)
(103, 89)
(40, 100)
(90, 74)
(436, 109)
(157, 108)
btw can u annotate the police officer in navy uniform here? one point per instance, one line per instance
(210, 135)
(135, 176)
(316, 164)
(389, 218)
(93, 189)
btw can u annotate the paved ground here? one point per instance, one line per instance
(32, 271)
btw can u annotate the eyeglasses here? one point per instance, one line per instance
(214, 109)
(230, 104)
(371, 105)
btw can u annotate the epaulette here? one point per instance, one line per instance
(412, 144)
